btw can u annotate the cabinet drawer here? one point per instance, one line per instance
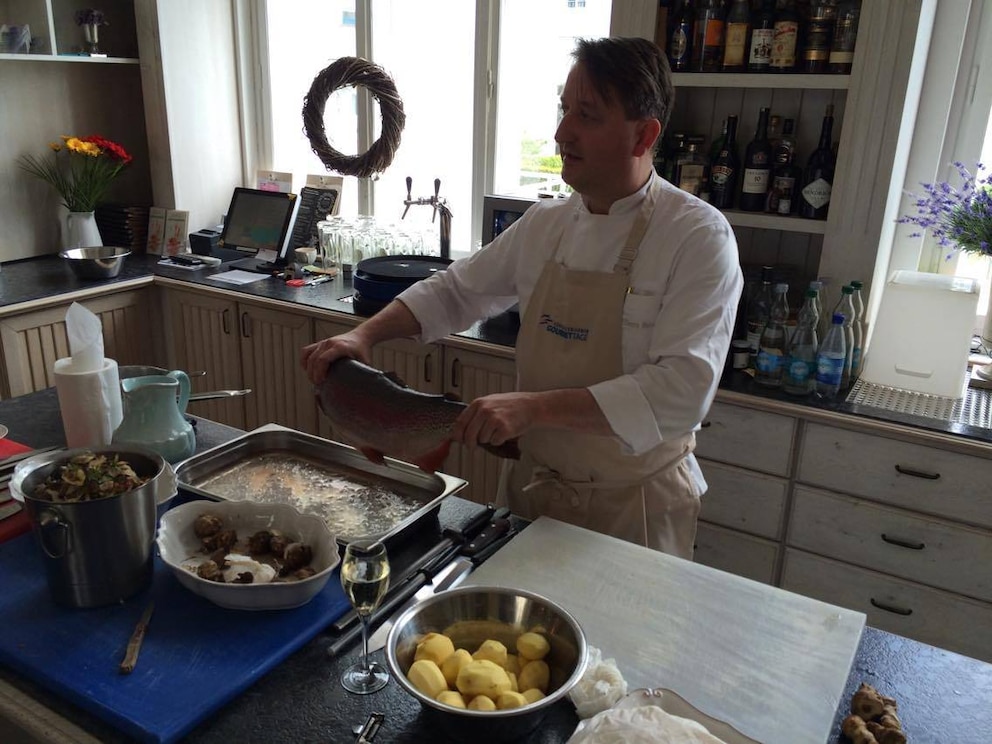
(743, 436)
(743, 500)
(929, 551)
(736, 553)
(895, 605)
(913, 476)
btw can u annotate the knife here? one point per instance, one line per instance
(454, 538)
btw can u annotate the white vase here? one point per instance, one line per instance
(79, 230)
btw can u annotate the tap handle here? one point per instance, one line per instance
(437, 189)
(409, 188)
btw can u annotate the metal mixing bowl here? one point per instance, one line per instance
(96, 262)
(471, 615)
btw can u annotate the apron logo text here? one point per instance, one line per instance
(566, 332)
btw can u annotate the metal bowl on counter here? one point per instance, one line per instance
(470, 616)
(97, 550)
(184, 552)
(96, 262)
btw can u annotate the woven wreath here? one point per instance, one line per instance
(352, 71)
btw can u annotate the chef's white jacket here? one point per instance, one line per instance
(678, 317)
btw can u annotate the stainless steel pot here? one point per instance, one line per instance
(96, 552)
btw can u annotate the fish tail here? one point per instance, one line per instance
(432, 461)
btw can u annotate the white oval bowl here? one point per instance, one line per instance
(180, 549)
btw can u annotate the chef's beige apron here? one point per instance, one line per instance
(570, 337)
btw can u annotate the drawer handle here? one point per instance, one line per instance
(904, 611)
(903, 543)
(706, 425)
(428, 366)
(225, 322)
(917, 473)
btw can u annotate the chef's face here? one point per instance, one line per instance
(602, 151)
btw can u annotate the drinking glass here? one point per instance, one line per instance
(365, 578)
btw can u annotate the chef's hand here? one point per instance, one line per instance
(495, 419)
(316, 358)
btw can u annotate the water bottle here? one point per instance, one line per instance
(771, 347)
(758, 309)
(830, 359)
(846, 308)
(800, 370)
(817, 286)
(861, 331)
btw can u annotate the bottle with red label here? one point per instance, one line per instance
(786, 37)
(759, 46)
(707, 42)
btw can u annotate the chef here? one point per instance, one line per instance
(628, 292)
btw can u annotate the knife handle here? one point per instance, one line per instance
(493, 531)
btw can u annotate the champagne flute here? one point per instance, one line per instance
(365, 578)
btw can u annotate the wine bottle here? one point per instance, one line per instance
(786, 37)
(707, 42)
(680, 43)
(785, 174)
(759, 54)
(735, 45)
(757, 167)
(818, 37)
(725, 169)
(814, 196)
(845, 35)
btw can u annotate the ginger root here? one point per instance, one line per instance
(873, 718)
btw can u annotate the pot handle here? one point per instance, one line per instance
(54, 533)
(183, 379)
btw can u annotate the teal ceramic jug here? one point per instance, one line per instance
(153, 415)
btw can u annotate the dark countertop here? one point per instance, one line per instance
(943, 696)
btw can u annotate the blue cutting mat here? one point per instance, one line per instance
(195, 657)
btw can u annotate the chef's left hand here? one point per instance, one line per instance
(495, 419)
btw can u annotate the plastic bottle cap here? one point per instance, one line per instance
(838, 319)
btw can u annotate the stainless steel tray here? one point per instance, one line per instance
(356, 497)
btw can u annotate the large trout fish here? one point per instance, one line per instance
(378, 414)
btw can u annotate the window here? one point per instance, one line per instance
(475, 137)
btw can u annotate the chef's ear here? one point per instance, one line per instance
(648, 131)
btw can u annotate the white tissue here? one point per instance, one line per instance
(647, 724)
(85, 334)
(600, 687)
(88, 385)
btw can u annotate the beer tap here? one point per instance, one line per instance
(439, 204)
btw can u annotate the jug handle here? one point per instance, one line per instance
(183, 379)
(54, 533)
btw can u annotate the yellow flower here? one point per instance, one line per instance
(55, 146)
(88, 148)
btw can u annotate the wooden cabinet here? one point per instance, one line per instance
(32, 341)
(737, 553)
(754, 439)
(471, 374)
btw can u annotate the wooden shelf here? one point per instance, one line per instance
(759, 80)
(775, 222)
(69, 58)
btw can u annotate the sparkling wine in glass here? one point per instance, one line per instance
(365, 578)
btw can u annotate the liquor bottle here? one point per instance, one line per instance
(786, 38)
(860, 330)
(845, 35)
(818, 37)
(673, 146)
(845, 307)
(718, 142)
(662, 24)
(735, 45)
(800, 369)
(692, 170)
(680, 42)
(771, 346)
(774, 131)
(814, 196)
(757, 167)
(759, 55)
(830, 359)
(707, 42)
(785, 175)
(758, 310)
(725, 169)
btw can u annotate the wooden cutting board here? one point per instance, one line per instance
(769, 662)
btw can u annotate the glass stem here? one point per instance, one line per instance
(366, 666)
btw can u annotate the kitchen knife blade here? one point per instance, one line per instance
(454, 538)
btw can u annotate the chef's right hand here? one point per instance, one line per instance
(316, 358)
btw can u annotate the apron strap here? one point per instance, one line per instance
(626, 258)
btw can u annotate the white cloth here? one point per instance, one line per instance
(678, 318)
(644, 725)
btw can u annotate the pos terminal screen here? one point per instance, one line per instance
(258, 221)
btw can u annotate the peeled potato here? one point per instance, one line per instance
(481, 702)
(494, 651)
(510, 700)
(426, 676)
(532, 695)
(512, 663)
(453, 664)
(513, 682)
(452, 698)
(483, 677)
(534, 674)
(533, 646)
(436, 647)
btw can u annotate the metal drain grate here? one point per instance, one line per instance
(974, 409)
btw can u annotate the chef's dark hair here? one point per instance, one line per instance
(631, 70)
